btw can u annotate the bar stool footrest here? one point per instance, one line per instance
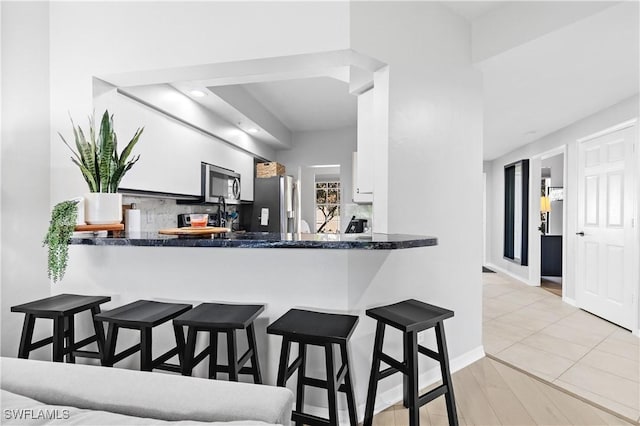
(387, 372)
(174, 368)
(40, 343)
(82, 343)
(432, 394)
(246, 370)
(202, 355)
(402, 367)
(316, 383)
(87, 354)
(127, 352)
(245, 357)
(309, 419)
(165, 357)
(430, 353)
(292, 368)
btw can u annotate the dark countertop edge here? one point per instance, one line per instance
(239, 243)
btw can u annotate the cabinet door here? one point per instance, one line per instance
(358, 197)
(364, 160)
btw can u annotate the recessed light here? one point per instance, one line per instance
(197, 93)
(252, 130)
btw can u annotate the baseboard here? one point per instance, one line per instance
(393, 396)
(569, 301)
(511, 274)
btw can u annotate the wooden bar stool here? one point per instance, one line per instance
(411, 317)
(217, 318)
(318, 329)
(61, 309)
(143, 315)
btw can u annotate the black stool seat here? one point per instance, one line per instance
(220, 314)
(410, 317)
(218, 318)
(60, 305)
(61, 308)
(319, 329)
(311, 325)
(143, 315)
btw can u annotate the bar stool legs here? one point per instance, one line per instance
(409, 368)
(27, 335)
(234, 365)
(446, 374)
(334, 383)
(377, 375)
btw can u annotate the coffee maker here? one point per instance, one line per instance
(356, 226)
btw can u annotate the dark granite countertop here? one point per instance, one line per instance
(261, 240)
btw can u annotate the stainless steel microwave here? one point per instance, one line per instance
(220, 182)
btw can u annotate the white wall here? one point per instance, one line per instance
(435, 151)
(608, 117)
(170, 34)
(435, 110)
(25, 164)
(50, 53)
(320, 148)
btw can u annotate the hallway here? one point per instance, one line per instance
(533, 330)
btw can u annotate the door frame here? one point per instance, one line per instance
(635, 328)
(535, 257)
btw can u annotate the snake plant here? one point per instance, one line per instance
(97, 157)
(63, 222)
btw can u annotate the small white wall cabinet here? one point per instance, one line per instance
(363, 158)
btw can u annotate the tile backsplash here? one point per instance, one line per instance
(159, 213)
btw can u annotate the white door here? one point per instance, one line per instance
(605, 258)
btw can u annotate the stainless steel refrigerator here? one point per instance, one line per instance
(274, 205)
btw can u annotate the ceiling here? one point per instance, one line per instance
(534, 87)
(308, 104)
(545, 84)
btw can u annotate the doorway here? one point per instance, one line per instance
(552, 222)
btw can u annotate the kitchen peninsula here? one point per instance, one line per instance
(264, 240)
(345, 273)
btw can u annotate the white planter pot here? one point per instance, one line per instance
(102, 208)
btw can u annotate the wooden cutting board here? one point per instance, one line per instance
(111, 227)
(194, 230)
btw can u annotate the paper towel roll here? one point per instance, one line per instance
(132, 220)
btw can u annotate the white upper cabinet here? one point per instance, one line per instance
(171, 151)
(363, 160)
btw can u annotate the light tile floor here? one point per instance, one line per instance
(533, 330)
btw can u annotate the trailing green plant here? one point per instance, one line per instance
(97, 157)
(63, 222)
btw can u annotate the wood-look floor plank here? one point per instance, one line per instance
(491, 393)
(474, 405)
(578, 411)
(538, 405)
(504, 402)
(384, 418)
